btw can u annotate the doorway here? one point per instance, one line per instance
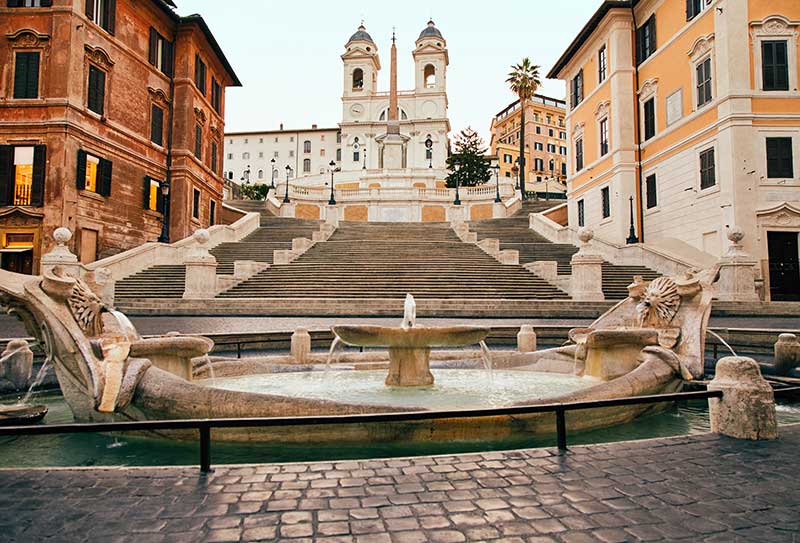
(17, 261)
(88, 245)
(784, 266)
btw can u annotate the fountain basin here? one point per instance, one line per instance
(18, 415)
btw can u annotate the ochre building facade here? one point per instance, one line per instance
(685, 118)
(111, 117)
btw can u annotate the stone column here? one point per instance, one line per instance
(301, 345)
(787, 354)
(201, 270)
(526, 339)
(737, 272)
(747, 407)
(586, 283)
(61, 255)
(16, 363)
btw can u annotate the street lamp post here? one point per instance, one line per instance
(164, 237)
(332, 200)
(429, 148)
(288, 173)
(632, 235)
(364, 167)
(496, 169)
(456, 169)
(515, 171)
(272, 177)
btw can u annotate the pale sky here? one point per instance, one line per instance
(286, 53)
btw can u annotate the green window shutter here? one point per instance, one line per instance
(167, 55)
(39, 167)
(6, 175)
(146, 192)
(80, 175)
(110, 16)
(26, 75)
(157, 125)
(104, 172)
(152, 52)
(90, 9)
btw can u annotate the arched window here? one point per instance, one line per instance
(307, 146)
(261, 174)
(430, 76)
(307, 165)
(385, 112)
(358, 79)
(230, 175)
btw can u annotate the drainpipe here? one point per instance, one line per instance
(171, 110)
(637, 116)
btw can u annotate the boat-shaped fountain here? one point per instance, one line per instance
(649, 343)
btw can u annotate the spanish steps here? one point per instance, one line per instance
(388, 260)
(514, 233)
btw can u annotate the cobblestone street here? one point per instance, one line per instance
(697, 488)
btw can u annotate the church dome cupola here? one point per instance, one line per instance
(430, 31)
(361, 35)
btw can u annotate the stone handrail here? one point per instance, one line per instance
(150, 254)
(485, 192)
(631, 255)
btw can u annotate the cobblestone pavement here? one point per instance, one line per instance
(698, 488)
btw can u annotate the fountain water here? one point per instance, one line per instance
(486, 355)
(332, 351)
(35, 383)
(716, 335)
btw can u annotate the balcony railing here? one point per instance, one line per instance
(22, 194)
(482, 192)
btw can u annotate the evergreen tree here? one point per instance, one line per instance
(470, 156)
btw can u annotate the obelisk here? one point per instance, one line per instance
(393, 142)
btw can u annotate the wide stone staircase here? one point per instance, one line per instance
(514, 233)
(169, 281)
(388, 260)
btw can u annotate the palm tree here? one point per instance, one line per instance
(524, 82)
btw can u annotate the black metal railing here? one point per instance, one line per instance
(204, 426)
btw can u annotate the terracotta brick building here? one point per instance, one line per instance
(103, 105)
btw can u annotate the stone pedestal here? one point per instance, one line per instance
(61, 255)
(747, 407)
(586, 283)
(787, 354)
(301, 345)
(409, 367)
(201, 270)
(737, 272)
(526, 339)
(16, 363)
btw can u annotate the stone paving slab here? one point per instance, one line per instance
(695, 489)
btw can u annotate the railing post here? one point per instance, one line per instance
(238, 349)
(561, 429)
(205, 449)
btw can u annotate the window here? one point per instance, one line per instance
(261, 154)
(550, 132)
(260, 140)
(338, 155)
(694, 7)
(604, 137)
(275, 154)
(538, 164)
(562, 150)
(578, 155)
(562, 135)
(704, 82)
(538, 129)
(216, 96)
(261, 174)
(649, 119)
(153, 199)
(198, 141)
(552, 165)
(94, 174)
(214, 151)
(551, 148)
(358, 79)
(291, 153)
(538, 146)
(230, 156)
(196, 203)
(30, 3)
(160, 53)
(606, 198)
(707, 174)
(102, 13)
(779, 158)
(576, 92)
(212, 213)
(564, 168)
(646, 40)
(26, 75)
(22, 175)
(774, 65)
(581, 213)
(602, 65)
(96, 95)
(306, 165)
(156, 125)
(508, 174)
(429, 75)
(200, 74)
(428, 154)
(291, 139)
(307, 146)
(245, 156)
(651, 195)
(246, 141)
(549, 119)
(508, 159)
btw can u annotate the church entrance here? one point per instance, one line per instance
(784, 266)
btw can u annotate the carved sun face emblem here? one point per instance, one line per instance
(659, 303)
